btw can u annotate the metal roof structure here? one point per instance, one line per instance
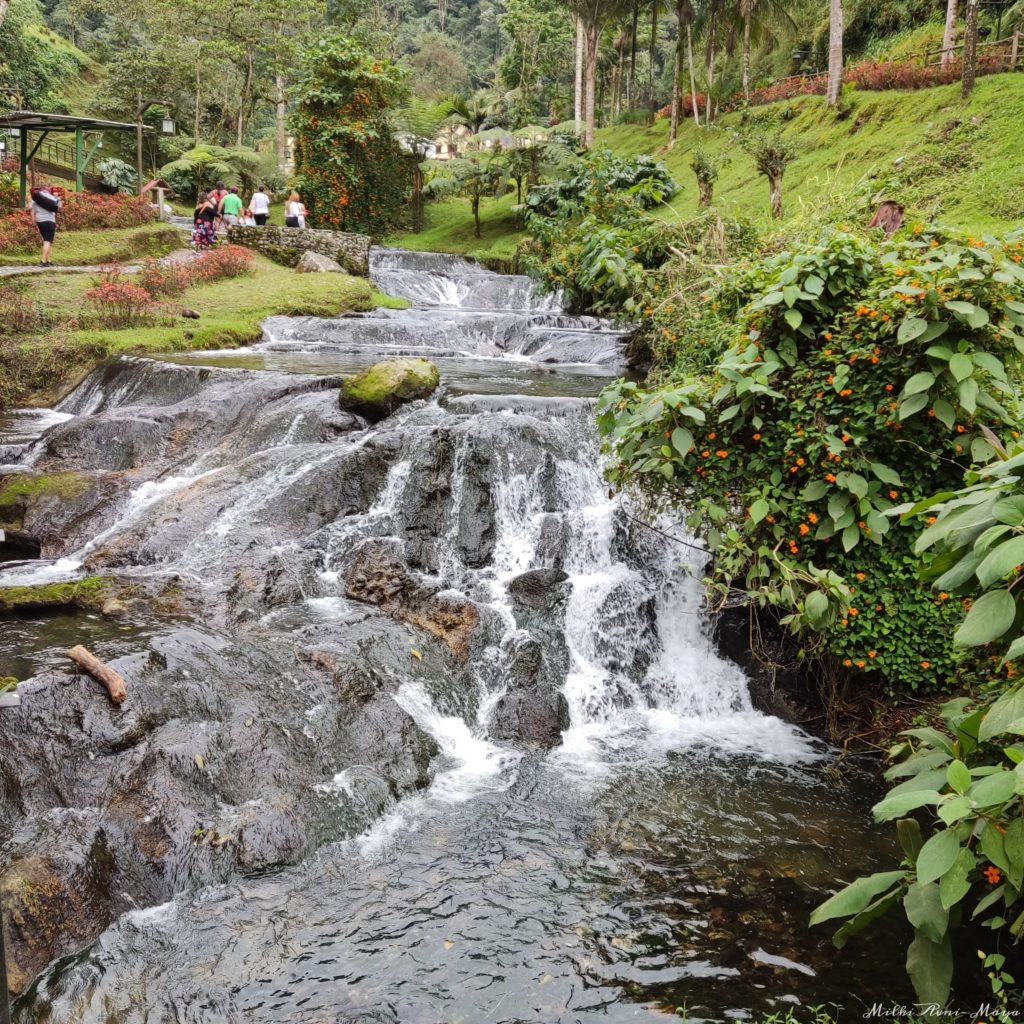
(23, 122)
(38, 121)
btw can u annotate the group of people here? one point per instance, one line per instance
(221, 208)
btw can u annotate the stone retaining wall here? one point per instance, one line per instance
(286, 245)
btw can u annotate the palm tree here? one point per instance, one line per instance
(970, 48)
(481, 110)
(835, 52)
(756, 15)
(205, 164)
(949, 35)
(684, 16)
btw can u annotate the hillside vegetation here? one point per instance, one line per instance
(947, 161)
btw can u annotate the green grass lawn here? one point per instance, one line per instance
(449, 228)
(34, 368)
(99, 246)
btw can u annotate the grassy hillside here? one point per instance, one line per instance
(958, 164)
(954, 163)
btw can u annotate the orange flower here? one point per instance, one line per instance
(926, 665)
(799, 462)
(812, 517)
(861, 663)
(854, 612)
(827, 336)
(770, 519)
(992, 875)
(721, 453)
(712, 436)
(830, 478)
(847, 662)
(872, 654)
(757, 437)
(894, 495)
(705, 454)
(804, 529)
(888, 387)
(861, 577)
(959, 428)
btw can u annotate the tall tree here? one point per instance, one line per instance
(653, 55)
(594, 16)
(949, 35)
(684, 40)
(970, 48)
(578, 81)
(835, 51)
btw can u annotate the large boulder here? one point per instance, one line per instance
(314, 263)
(380, 389)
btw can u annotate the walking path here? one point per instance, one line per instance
(127, 268)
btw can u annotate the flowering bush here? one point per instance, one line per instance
(351, 171)
(118, 302)
(18, 231)
(687, 106)
(160, 278)
(859, 377)
(79, 211)
(9, 195)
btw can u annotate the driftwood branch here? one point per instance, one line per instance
(115, 685)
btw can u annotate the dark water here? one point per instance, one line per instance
(349, 827)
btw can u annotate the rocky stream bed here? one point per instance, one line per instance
(421, 726)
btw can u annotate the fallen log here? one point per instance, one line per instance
(104, 674)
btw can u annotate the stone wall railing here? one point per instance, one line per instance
(286, 245)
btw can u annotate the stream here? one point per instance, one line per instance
(422, 725)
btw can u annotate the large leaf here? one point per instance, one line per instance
(937, 856)
(911, 405)
(961, 366)
(925, 911)
(911, 328)
(919, 382)
(1003, 713)
(994, 790)
(930, 966)
(954, 884)
(989, 618)
(1001, 561)
(895, 805)
(856, 896)
(682, 440)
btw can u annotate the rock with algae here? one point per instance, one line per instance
(380, 389)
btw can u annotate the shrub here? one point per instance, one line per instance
(18, 313)
(117, 302)
(859, 376)
(18, 231)
(10, 197)
(161, 278)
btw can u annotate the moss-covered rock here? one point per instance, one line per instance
(21, 491)
(380, 389)
(89, 593)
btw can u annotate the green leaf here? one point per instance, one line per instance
(944, 413)
(954, 885)
(988, 900)
(993, 790)
(919, 382)
(912, 405)
(1013, 844)
(932, 737)
(908, 830)
(1003, 713)
(815, 490)
(936, 856)
(961, 366)
(925, 911)
(885, 474)
(759, 510)
(958, 775)
(989, 618)
(917, 763)
(910, 329)
(682, 440)
(816, 607)
(930, 966)
(990, 364)
(856, 484)
(851, 537)
(896, 805)
(993, 847)
(1001, 561)
(856, 896)
(794, 318)
(968, 394)
(860, 921)
(837, 505)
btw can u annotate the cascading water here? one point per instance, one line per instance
(423, 727)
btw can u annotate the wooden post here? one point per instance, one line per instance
(1014, 50)
(139, 111)
(78, 158)
(23, 170)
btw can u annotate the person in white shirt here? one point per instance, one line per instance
(259, 206)
(44, 208)
(295, 212)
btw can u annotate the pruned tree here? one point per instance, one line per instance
(772, 154)
(835, 52)
(706, 171)
(479, 175)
